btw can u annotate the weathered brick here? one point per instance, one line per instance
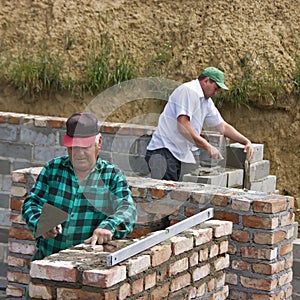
(241, 236)
(138, 192)
(285, 249)
(13, 291)
(259, 253)
(72, 293)
(161, 292)
(21, 233)
(201, 236)
(40, 291)
(231, 278)
(18, 191)
(139, 264)
(201, 272)
(160, 254)
(270, 206)
(272, 238)
(260, 222)
(16, 204)
(221, 295)
(219, 199)
(124, 291)
(22, 248)
(180, 282)
(181, 244)
(104, 278)
(227, 215)
(263, 284)
(287, 219)
(240, 265)
(150, 280)
(213, 250)
(178, 266)
(54, 270)
(242, 204)
(221, 228)
(268, 269)
(137, 286)
(17, 277)
(193, 259)
(157, 193)
(221, 262)
(16, 261)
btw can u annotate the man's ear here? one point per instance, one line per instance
(100, 142)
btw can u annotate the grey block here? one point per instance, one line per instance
(235, 155)
(30, 134)
(5, 166)
(5, 217)
(8, 132)
(235, 178)
(46, 153)
(267, 184)
(218, 180)
(259, 170)
(16, 150)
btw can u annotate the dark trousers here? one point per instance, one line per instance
(163, 165)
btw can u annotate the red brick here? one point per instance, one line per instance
(279, 296)
(285, 278)
(157, 193)
(285, 249)
(21, 233)
(17, 277)
(124, 291)
(268, 269)
(13, 291)
(16, 261)
(22, 248)
(228, 216)
(241, 236)
(287, 219)
(56, 123)
(203, 254)
(16, 204)
(178, 266)
(201, 235)
(16, 218)
(221, 263)
(54, 270)
(179, 195)
(160, 254)
(72, 293)
(258, 253)
(220, 228)
(181, 244)
(138, 264)
(180, 282)
(241, 204)
(40, 291)
(213, 250)
(259, 283)
(150, 280)
(260, 222)
(104, 278)
(218, 199)
(14, 119)
(221, 295)
(137, 286)
(201, 272)
(124, 130)
(161, 292)
(240, 265)
(232, 279)
(263, 238)
(270, 206)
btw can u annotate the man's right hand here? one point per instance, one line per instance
(214, 153)
(53, 232)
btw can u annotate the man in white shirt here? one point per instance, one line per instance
(180, 125)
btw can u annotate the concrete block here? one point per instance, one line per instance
(4, 218)
(46, 153)
(259, 170)
(218, 180)
(296, 250)
(21, 151)
(8, 132)
(4, 199)
(5, 166)
(235, 178)
(30, 134)
(235, 155)
(267, 184)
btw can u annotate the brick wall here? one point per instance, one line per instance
(257, 255)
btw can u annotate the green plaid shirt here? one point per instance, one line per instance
(102, 200)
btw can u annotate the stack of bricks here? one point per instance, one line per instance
(260, 248)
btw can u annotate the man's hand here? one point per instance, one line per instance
(100, 236)
(249, 150)
(214, 153)
(53, 232)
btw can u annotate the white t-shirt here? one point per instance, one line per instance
(187, 99)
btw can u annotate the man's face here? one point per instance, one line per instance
(210, 88)
(84, 159)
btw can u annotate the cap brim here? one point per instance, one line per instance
(222, 85)
(78, 142)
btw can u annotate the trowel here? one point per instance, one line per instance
(50, 217)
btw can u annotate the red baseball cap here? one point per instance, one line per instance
(82, 129)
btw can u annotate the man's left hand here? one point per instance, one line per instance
(100, 236)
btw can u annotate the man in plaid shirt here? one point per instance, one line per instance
(93, 192)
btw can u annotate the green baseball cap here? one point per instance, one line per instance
(216, 75)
